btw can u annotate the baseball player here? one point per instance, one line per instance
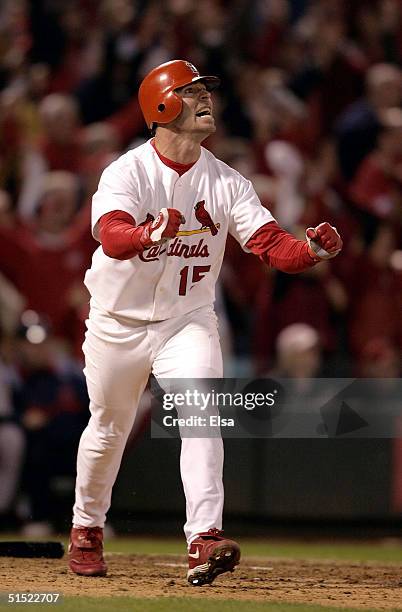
(162, 213)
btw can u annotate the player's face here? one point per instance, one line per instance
(197, 114)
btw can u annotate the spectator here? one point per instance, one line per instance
(60, 144)
(377, 294)
(380, 358)
(46, 260)
(298, 352)
(377, 186)
(58, 147)
(332, 57)
(52, 403)
(358, 127)
(319, 296)
(12, 445)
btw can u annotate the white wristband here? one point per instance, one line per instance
(160, 224)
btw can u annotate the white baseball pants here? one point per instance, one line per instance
(119, 357)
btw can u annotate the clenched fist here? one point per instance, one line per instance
(324, 241)
(163, 228)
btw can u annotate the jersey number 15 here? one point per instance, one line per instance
(198, 273)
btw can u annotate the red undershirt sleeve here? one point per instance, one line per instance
(119, 236)
(279, 249)
(118, 233)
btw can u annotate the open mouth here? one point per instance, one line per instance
(203, 113)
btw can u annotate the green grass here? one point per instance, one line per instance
(172, 604)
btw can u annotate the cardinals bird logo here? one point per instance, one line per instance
(204, 217)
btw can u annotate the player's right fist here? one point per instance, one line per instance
(164, 227)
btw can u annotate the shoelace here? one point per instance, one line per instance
(90, 535)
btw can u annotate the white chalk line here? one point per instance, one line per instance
(172, 564)
(253, 567)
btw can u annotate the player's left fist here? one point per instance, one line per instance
(324, 241)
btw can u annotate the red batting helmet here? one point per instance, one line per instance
(158, 101)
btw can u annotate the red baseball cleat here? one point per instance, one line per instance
(211, 554)
(85, 551)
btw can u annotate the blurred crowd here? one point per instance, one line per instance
(310, 110)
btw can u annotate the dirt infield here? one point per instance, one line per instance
(360, 585)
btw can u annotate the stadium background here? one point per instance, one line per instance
(310, 111)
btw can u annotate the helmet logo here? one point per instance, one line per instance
(192, 68)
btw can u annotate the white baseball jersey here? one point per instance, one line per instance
(178, 276)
